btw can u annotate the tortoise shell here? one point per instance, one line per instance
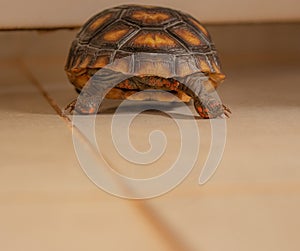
(125, 31)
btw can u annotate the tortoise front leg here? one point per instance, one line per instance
(83, 105)
(70, 107)
(209, 107)
(91, 96)
(207, 103)
(227, 111)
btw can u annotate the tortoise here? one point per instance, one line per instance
(183, 57)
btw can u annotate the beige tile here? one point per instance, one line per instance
(252, 201)
(240, 221)
(36, 44)
(46, 201)
(71, 221)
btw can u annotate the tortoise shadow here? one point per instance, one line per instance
(164, 109)
(108, 106)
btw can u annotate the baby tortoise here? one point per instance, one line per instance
(184, 57)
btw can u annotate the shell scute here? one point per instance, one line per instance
(119, 34)
(96, 24)
(154, 16)
(148, 40)
(110, 37)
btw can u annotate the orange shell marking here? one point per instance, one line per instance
(199, 26)
(204, 66)
(150, 18)
(115, 35)
(98, 22)
(154, 40)
(188, 36)
(101, 62)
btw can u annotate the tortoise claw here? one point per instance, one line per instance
(227, 111)
(69, 109)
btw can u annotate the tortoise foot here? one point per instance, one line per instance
(227, 111)
(69, 109)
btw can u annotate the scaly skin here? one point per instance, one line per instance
(206, 106)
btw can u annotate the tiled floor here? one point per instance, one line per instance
(251, 203)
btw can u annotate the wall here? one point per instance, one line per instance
(67, 13)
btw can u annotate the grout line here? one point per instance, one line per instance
(294, 21)
(40, 28)
(161, 227)
(148, 213)
(40, 88)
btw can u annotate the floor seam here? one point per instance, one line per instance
(146, 211)
(26, 71)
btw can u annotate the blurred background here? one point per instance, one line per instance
(251, 203)
(37, 14)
